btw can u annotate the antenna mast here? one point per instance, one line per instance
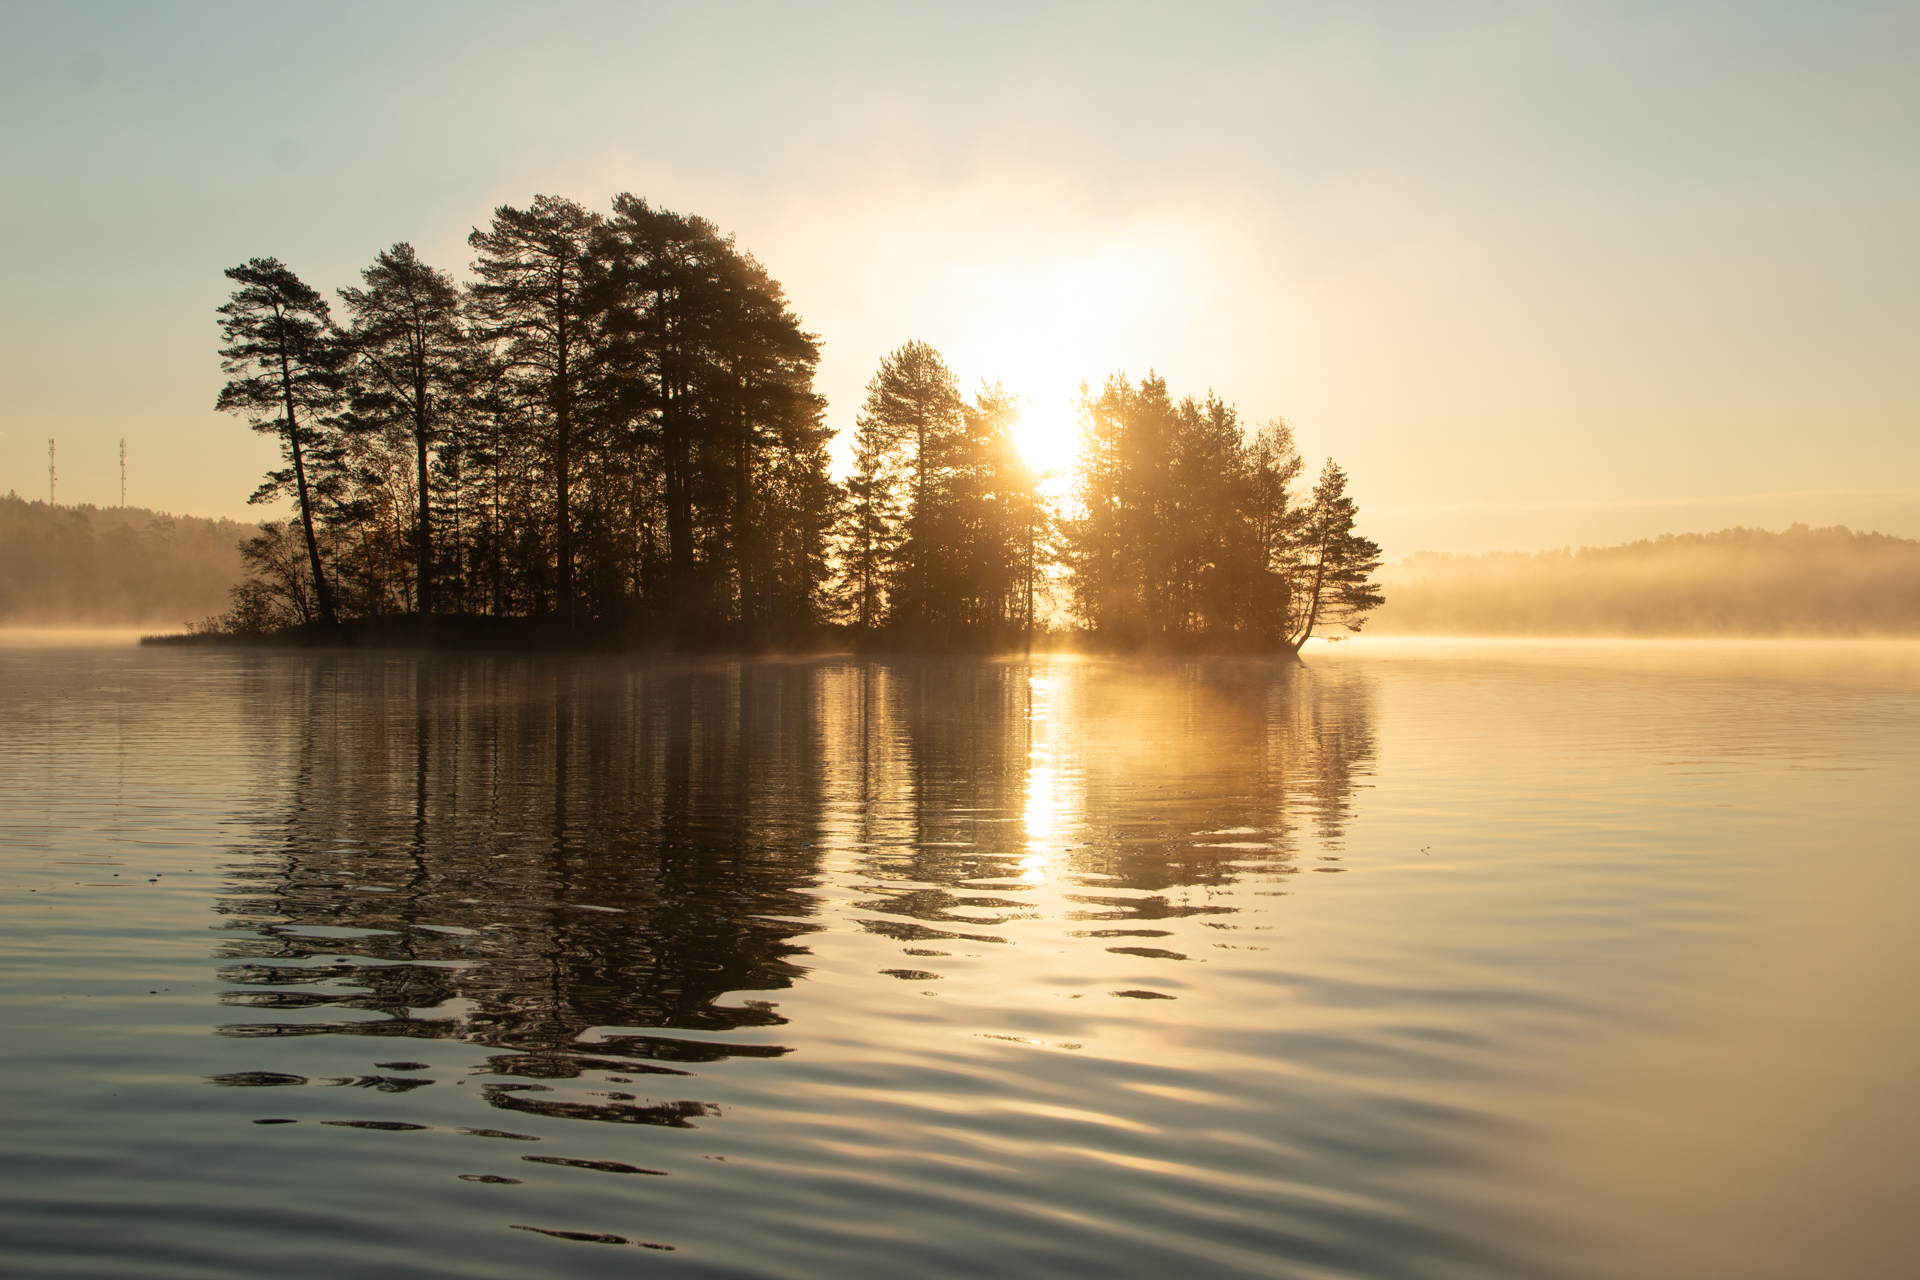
(123, 473)
(49, 470)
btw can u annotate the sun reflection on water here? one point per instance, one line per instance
(1043, 818)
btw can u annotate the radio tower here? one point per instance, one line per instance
(123, 473)
(49, 470)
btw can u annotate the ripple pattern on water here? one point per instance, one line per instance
(875, 968)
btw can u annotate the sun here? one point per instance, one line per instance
(1048, 433)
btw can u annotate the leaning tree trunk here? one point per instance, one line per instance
(322, 592)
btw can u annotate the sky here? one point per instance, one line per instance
(1535, 274)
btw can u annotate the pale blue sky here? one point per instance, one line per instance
(1536, 273)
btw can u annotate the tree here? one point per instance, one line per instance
(704, 377)
(872, 527)
(974, 531)
(534, 299)
(410, 349)
(913, 415)
(1328, 564)
(1188, 534)
(277, 590)
(1159, 493)
(285, 361)
(664, 289)
(1273, 521)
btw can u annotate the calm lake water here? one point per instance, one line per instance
(1419, 960)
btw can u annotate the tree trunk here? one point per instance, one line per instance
(322, 592)
(743, 535)
(425, 540)
(563, 457)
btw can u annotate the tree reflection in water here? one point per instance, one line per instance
(549, 857)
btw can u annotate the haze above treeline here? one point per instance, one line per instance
(111, 567)
(1593, 273)
(612, 427)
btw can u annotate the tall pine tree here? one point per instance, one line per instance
(410, 355)
(284, 361)
(534, 299)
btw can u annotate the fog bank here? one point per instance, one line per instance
(86, 566)
(1737, 582)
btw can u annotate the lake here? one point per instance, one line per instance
(1420, 959)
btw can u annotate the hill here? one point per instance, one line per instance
(1737, 582)
(86, 566)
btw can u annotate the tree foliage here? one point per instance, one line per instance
(413, 351)
(286, 364)
(613, 427)
(1189, 534)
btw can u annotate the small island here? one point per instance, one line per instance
(610, 438)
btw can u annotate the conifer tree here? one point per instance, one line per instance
(705, 372)
(1328, 564)
(872, 526)
(974, 531)
(1273, 520)
(285, 364)
(410, 348)
(534, 299)
(913, 414)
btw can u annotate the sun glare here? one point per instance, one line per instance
(1048, 434)
(1036, 305)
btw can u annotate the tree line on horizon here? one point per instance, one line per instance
(1799, 581)
(613, 428)
(78, 565)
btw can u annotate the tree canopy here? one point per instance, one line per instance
(612, 428)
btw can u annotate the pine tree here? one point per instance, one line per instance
(1328, 564)
(534, 300)
(285, 362)
(707, 375)
(410, 354)
(913, 413)
(873, 524)
(1273, 519)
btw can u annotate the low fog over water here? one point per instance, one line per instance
(1737, 582)
(86, 566)
(129, 567)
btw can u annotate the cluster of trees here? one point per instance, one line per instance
(1179, 530)
(614, 427)
(614, 422)
(88, 566)
(1798, 581)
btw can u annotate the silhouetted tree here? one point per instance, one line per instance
(873, 524)
(285, 362)
(1188, 533)
(971, 522)
(534, 298)
(1274, 519)
(705, 378)
(410, 351)
(913, 416)
(1328, 564)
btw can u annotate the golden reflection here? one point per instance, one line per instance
(1044, 817)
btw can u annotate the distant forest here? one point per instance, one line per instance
(88, 566)
(1737, 582)
(613, 429)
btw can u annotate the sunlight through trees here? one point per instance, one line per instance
(613, 432)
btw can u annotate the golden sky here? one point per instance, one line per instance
(1535, 274)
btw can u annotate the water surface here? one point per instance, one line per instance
(1421, 960)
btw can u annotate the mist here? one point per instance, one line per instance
(86, 566)
(1737, 582)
